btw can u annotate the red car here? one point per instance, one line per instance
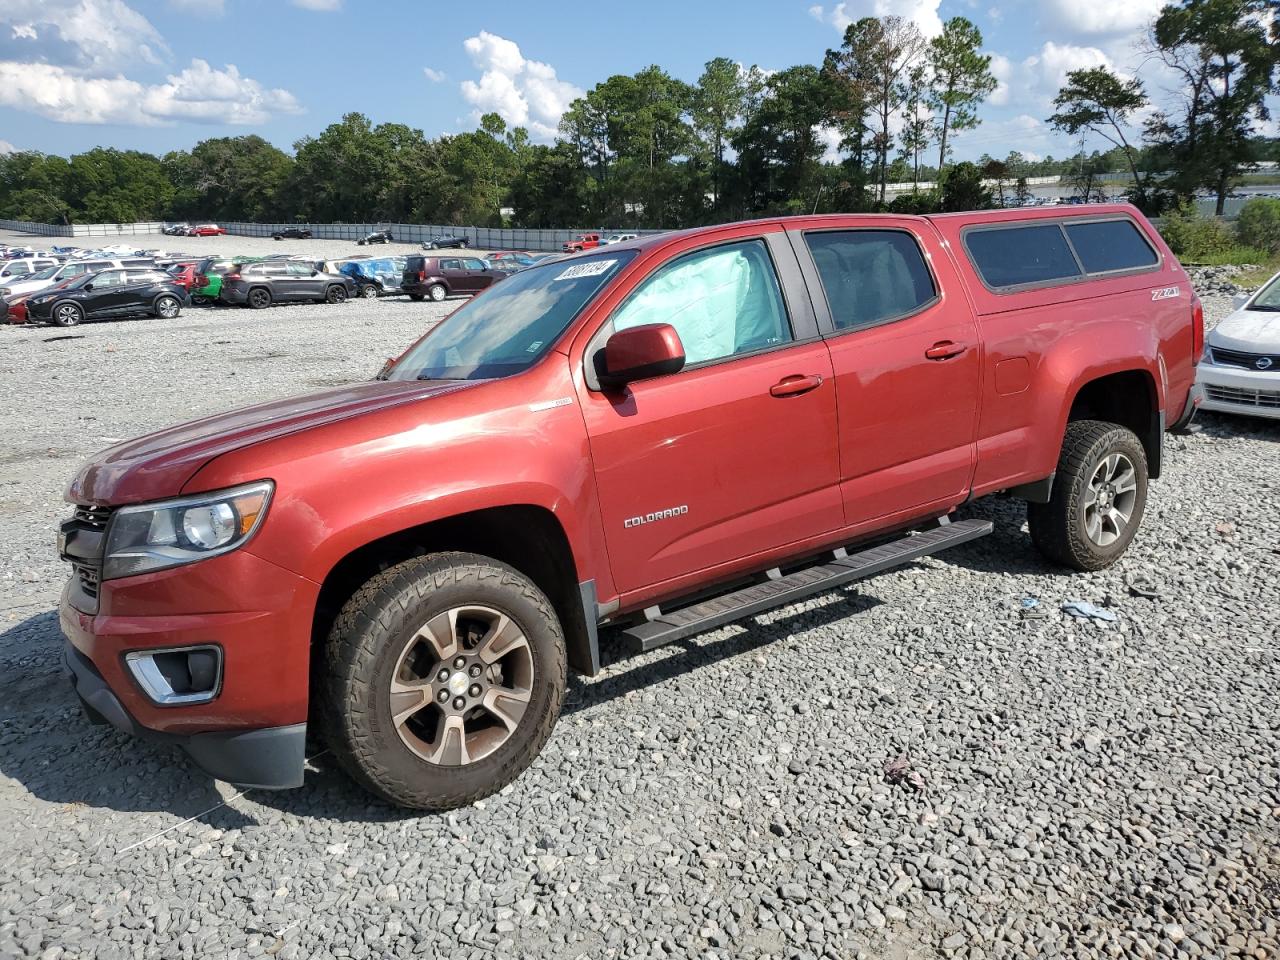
(583, 241)
(184, 274)
(207, 230)
(658, 439)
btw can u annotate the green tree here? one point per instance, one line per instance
(915, 134)
(963, 189)
(117, 186)
(33, 186)
(1098, 101)
(229, 178)
(718, 103)
(1226, 58)
(962, 79)
(779, 153)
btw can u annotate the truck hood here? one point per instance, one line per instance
(1250, 331)
(157, 465)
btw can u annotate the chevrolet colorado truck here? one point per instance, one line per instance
(658, 438)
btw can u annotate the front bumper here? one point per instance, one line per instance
(258, 615)
(270, 758)
(1228, 389)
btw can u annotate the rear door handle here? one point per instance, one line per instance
(945, 350)
(796, 385)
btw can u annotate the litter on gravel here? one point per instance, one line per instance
(1085, 610)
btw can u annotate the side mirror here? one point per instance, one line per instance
(88, 286)
(649, 350)
(1239, 300)
(315, 273)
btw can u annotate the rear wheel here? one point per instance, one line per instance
(444, 676)
(167, 308)
(369, 292)
(1098, 498)
(259, 298)
(67, 314)
(335, 294)
(464, 244)
(437, 292)
(416, 297)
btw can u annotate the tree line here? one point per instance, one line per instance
(650, 150)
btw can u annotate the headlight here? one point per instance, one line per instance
(157, 536)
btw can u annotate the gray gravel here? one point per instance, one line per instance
(907, 768)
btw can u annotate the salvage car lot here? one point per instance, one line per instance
(1068, 786)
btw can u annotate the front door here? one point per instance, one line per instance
(478, 270)
(736, 454)
(304, 281)
(109, 295)
(906, 354)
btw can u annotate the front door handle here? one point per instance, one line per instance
(945, 350)
(796, 385)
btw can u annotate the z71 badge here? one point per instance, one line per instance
(1164, 293)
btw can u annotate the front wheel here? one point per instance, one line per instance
(444, 677)
(335, 294)
(1098, 497)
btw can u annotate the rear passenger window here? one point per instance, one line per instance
(870, 275)
(1013, 256)
(1107, 245)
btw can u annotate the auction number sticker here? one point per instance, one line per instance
(592, 269)
(1165, 293)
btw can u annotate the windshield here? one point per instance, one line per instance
(1269, 298)
(44, 274)
(510, 327)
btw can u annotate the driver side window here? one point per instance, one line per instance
(108, 278)
(723, 301)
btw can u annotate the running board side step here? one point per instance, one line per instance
(663, 628)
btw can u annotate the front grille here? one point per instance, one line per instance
(93, 517)
(88, 575)
(1238, 358)
(1243, 396)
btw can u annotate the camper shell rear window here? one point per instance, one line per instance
(1036, 253)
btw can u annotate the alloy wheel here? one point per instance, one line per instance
(167, 308)
(68, 315)
(461, 685)
(1110, 498)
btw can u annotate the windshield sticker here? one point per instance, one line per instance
(534, 347)
(592, 269)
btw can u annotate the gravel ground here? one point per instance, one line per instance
(1066, 788)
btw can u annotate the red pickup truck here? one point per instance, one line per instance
(583, 241)
(658, 438)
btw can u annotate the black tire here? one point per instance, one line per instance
(1059, 528)
(259, 298)
(369, 292)
(364, 651)
(198, 300)
(277, 237)
(67, 314)
(167, 308)
(433, 245)
(464, 244)
(359, 243)
(335, 294)
(437, 292)
(417, 297)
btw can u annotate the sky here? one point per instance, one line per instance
(158, 75)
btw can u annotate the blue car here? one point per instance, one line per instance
(375, 277)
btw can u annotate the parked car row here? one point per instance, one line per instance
(198, 230)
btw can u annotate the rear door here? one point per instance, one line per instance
(907, 361)
(458, 277)
(138, 290)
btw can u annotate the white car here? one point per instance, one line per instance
(618, 238)
(19, 268)
(1240, 369)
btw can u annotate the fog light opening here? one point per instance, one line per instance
(177, 676)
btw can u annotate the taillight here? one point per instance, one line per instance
(201, 280)
(1197, 329)
(422, 275)
(231, 276)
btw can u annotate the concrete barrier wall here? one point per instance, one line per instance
(82, 229)
(483, 238)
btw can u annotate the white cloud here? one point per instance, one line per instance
(1035, 80)
(1101, 19)
(199, 93)
(435, 76)
(923, 12)
(93, 35)
(7, 147)
(525, 93)
(829, 137)
(326, 6)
